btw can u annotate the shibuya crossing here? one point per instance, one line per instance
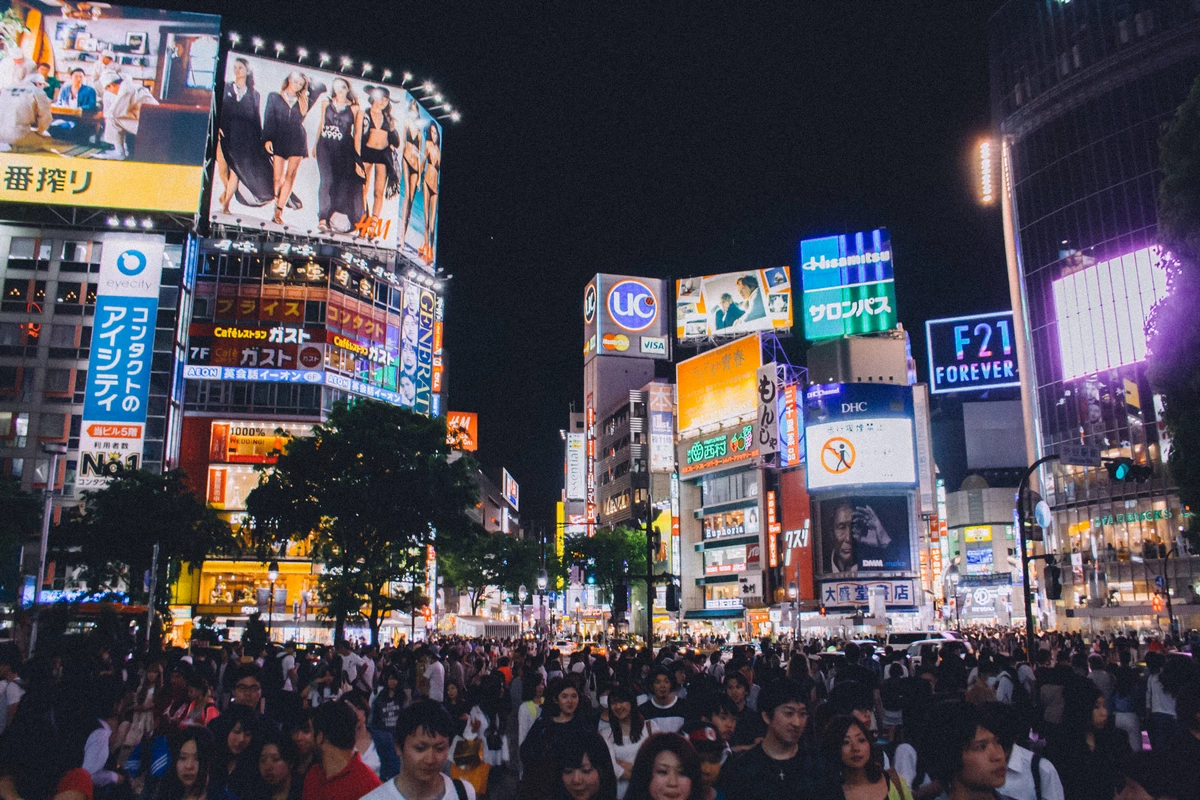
(946, 406)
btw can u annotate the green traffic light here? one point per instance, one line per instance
(1122, 471)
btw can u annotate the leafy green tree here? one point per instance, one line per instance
(112, 538)
(20, 521)
(615, 556)
(373, 486)
(485, 560)
(1174, 329)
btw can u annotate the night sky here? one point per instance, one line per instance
(668, 140)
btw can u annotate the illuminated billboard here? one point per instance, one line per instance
(662, 427)
(1101, 311)
(624, 316)
(865, 533)
(510, 490)
(462, 430)
(733, 304)
(121, 118)
(720, 385)
(118, 375)
(969, 354)
(347, 158)
(576, 480)
(848, 285)
(859, 434)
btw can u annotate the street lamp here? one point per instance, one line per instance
(794, 595)
(952, 577)
(272, 576)
(522, 593)
(543, 580)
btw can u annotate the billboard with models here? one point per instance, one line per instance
(316, 152)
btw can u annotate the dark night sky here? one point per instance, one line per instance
(668, 139)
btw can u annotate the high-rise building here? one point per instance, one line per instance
(1080, 92)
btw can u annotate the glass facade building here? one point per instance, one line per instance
(1080, 93)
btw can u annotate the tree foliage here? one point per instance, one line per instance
(1174, 329)
(19, 522)
(483, 560)
(113, 536)
(373, 487)
(615, 556)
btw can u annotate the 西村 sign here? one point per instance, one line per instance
(720, 450)
(971, 353)
(848, 285)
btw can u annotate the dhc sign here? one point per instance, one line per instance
(971, 354)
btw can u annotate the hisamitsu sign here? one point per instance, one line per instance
(971, 354)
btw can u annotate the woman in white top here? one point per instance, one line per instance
(624, 734)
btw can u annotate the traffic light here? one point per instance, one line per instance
(672, 597)
(1157, 603)
(1126, 469)
(1053, 580)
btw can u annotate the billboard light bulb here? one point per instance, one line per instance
(407, 77)
(113, 222)
(257, 42)
(235, 38)
(131, 222)
(366, 67)
(387, 74)
(455, 117)
(438, 97)
(301, 53)
(279, 48)
(347, 62)
(437, 286)
(147, 223)
(427, 87)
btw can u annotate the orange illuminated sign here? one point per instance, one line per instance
(719, 386)
(462, 430)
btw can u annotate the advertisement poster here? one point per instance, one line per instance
(859, 435)
(510, 490)
(662, 427)
(120, 120)
(969, 354)
(733, 304)
(310, 150)
(626, 316)
(239, 442)
(462, 430)
(576, 484)
(719, 385)
(848, 284)
(865, 533)
(118, 377)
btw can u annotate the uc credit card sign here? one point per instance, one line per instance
(118, 381)
(972, 353)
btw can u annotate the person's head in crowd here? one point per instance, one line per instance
(391, 681)
(334, 725)
(846, 750)
(722, 714)
(968, 757)
(277, 761)
(197, 687)
(666, 768)
(737, 687)
(423, 734)
(299, 728)
(1084, 711)
(247, 691)
(583, 764)
(662, 683)
(680, 671)
(533, 686)
(562, 700)
(241, 728)
(360, 704)
(622, 710)
(895, 670)
(193, 762)
(32, 758)
(854, 699)
(784, 707)
(1005, 721)
(709, 747)
(853, 652)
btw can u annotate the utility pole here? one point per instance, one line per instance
(1022, 487)
(54, 450)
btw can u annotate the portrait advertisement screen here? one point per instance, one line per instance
(865, 533)
(105, 106)
(733, 303)
(328, 154)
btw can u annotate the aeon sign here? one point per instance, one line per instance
(632, 305)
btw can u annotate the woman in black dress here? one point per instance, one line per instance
(283, 134)
(241, 161)
(338, 157)
(379, 142)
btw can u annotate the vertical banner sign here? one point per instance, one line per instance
(768, 410)
(926, 474)
(662, 427)
(425, 323)
(774, 529)
(431, 578)
(676, 552)
(590, 425)
(791, 432)
(439, 366)
(118, 380)
(576, 468)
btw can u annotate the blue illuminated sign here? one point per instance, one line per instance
(632, 305)
(848, 283)
(973, 353)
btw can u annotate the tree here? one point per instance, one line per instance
(614, 556)
(113, 537)
(373, 486)
(19, 522)
(1174, 328)
(484, 560)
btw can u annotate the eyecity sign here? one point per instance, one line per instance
(972, 353)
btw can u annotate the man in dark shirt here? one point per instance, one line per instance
(776, 768)
(750, 728)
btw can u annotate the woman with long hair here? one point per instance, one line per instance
(379, 142)
(852, 770)
(236, 766)
(581, 768)
(284, 136)
(201, 707)
(338, 157)
(411, 166)
(431, 163)
(277, 760)
(300, 730)
(1087, 749)
(386, 707)
(625, 733)
(562, 717)
(241, 161)
(193, 766)
(666, 768)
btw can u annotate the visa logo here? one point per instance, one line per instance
(654, 345)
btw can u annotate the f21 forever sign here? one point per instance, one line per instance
(970, 354)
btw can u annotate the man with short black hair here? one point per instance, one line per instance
(776, 768)
(339, 773)
(663, 706)
(970, 763)
(750, 728)
(423, 734)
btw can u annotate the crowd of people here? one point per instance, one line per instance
(463, 719)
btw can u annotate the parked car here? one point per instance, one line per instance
(902, 639)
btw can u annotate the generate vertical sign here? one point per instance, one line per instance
(118, 381)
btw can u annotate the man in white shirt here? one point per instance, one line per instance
(423, 734)
(96, 749)
(10, 687)
(351, 662)
(435, 676)
(287, 666)
(1019, 782)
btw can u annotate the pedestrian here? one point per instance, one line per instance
(277, 762)
(193, 761)
(778, 767)
(1087, 750)
(851, 767)
(663, 707)
(423, 734)
(626, 731)
(969, 761)
(339, 773)
(375, 747)
(667, 768)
